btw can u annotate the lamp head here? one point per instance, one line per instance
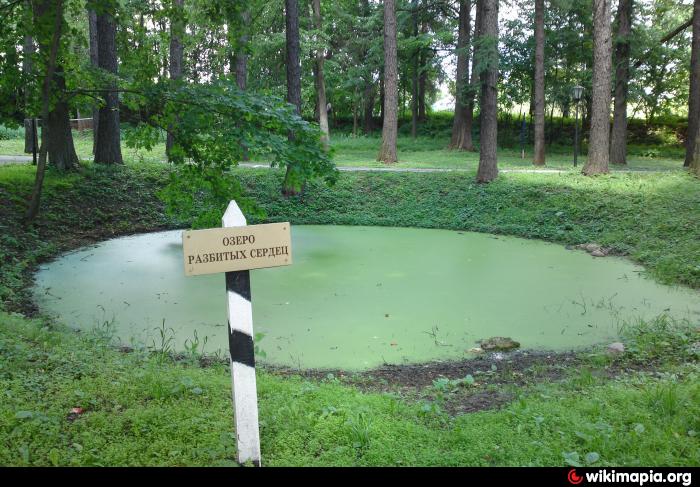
(577, 92)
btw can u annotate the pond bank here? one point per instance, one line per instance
(143, 409)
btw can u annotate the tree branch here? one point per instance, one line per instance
(667, 38)
(12, 4)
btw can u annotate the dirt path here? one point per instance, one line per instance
(15, 160)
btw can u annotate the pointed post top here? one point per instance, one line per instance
(233, 217)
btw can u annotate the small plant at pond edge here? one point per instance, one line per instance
(661, 337)
(192, 347)
(165, 347)
(259, 352)
(104, 330)
(441, 388)
(444, 385)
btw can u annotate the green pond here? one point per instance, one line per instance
(358, 297)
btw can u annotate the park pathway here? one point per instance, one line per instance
(4, 160)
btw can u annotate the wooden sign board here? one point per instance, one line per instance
(216, 250)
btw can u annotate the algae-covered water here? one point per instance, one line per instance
(357, 297)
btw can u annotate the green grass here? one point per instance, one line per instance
(14, 146)
(431, 152)
(425, 152)
(142, 411)
(141, 408)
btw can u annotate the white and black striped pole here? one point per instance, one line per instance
(242, 350)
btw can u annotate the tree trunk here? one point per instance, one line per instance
(695, 161)
(292, 181)
(414, 78)
(618, 140)
(422, 78)
(551, 122)
(239, 62)
(177, 31)
(108, 149)
(488, 54)
(61, 151)
(475, 85)
(320, 84)
(539, 157)
(599, 139)
(387, 153)
(587, 109)
(461, 134)
(369, 108)
(354, 114)
(422, 84)
(241, 54)
(27, 52)
(381, 97)
(92, 28)
(43, 11)
(694, 94)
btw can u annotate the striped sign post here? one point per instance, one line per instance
(235, 249)
(242, 349)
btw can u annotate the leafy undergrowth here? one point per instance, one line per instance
(141, 409)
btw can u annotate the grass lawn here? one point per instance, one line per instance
(146, 407)
(424, 152)
(429, 152)
(83, 147)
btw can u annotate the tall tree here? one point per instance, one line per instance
(177, 32)
(27, 53)
(46, 13)
(488, 64)
(318, 74)
(599, 138)
(241, 59)
(694, 94)
(108, 146)
(695, 162)
(369, 98)
(242, 53)
(415, 69)
(366, 58)
(61, 150)
(474, 83)
(291, 184)
(92, 34)
(461, 133)
(539, 157)
(387, 153)
(56, 128)
(422, 82)
(618, 139)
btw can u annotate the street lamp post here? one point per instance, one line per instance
(576, 92)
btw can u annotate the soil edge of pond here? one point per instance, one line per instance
(493, 377)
